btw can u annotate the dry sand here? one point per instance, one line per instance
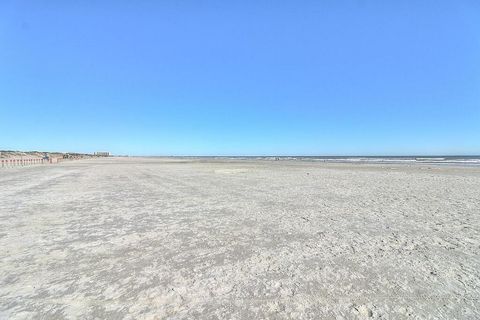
(165, 238)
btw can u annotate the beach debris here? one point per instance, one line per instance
(365, 311)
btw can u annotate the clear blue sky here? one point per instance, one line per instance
(241, 77)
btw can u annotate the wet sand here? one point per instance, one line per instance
(140, 238)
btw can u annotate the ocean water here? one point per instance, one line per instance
(460, 160)
(452, 160)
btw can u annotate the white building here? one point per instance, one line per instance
(102, 154)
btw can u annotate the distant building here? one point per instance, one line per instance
(102, 154)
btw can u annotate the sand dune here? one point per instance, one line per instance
(141, 238)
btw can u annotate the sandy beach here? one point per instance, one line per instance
(156, 238)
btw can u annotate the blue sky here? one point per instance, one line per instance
(241, 77)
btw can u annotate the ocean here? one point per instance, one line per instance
(452, 160)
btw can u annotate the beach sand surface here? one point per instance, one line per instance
(158, 238)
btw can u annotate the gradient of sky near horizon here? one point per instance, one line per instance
(241, 77)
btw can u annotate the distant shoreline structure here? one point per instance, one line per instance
(101, 154)
(17, 153)
(10, 158)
